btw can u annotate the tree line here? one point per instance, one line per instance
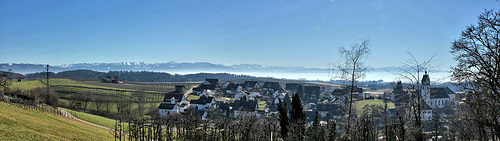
(138, 76)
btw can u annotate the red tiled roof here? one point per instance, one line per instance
(19, 76)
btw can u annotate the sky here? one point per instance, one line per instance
(270, 33)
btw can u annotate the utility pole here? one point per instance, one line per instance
(48, 86)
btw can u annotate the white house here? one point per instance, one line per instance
(245, 108)
(168, 108)
(183, 107)
(271, 86)
(329, 110)
(256, 92)
(243, 96)
(279, 94)
(204, 103)
(233, 88)
(427, 114)
(178, 98)
(226, 84)
(172, 103)
(206, 93)
(249, 85)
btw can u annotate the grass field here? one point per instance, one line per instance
(262, 105)
(20, 124)
(99, 120)
(362, 103)
(192, 97)
(26, 84)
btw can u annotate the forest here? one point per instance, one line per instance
(138, 76)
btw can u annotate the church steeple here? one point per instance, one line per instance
(426, 80)
(426, 88)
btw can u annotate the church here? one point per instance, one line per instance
(436, 97)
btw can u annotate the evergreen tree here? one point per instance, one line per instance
(332, 127)
(316, 131)
(297, 112)
(287, 101)
(297, 118)
(316, 121)
(108, 76)
(283, 118)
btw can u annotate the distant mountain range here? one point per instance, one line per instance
(144, 66)
(25, 68)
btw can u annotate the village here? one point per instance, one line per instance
(260, 99)
(187, 105)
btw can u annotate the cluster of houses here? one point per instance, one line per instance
(241, 99)
(243, 103)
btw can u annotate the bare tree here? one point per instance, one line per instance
(140, 99)
(107, 102)
(462, 126)
(5, 81)
(98, 102)
(84, 97)
(477, 52)
(412, 73)
(49, 97)
(123, 106)
(353, 68)
(153, 110)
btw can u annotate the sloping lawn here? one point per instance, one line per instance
(99, 120)
(20, 124)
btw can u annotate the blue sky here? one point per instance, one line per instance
(272, 33)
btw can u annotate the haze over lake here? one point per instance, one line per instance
(386, 76)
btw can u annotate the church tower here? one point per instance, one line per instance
(426, 88)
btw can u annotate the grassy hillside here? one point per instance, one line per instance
(20, 124)
(69, 82)
(104, 87)
(36, 83)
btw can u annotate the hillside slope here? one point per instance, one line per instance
(20, 124)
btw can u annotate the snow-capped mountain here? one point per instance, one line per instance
(145, 66)
(170, 67)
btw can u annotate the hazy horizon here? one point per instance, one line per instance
(386, 74)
